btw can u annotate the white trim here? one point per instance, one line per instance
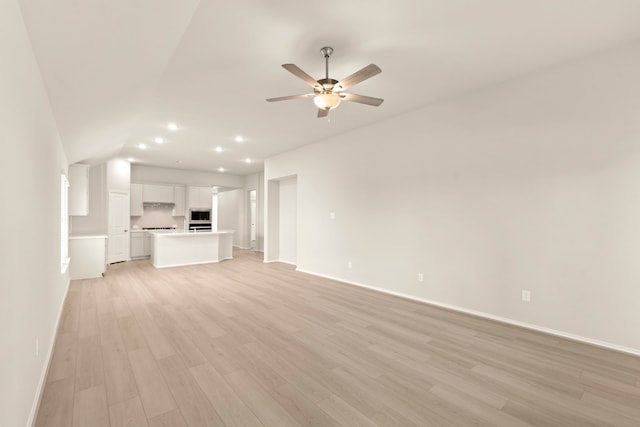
(285, 262)
(65, 265)
(190, 263)
(45, 371)
(567, 335)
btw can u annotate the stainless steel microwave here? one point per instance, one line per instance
(203, 215)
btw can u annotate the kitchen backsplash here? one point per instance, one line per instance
(157, 216)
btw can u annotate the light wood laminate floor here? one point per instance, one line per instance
(242, 343)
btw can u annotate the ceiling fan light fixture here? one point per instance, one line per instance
(327, 101)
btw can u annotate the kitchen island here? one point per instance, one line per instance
(172, 248)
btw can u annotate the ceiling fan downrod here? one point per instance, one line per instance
(326, 52)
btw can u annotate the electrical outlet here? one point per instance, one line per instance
(420, 277)
(526, 296)
(349, 264)
(332, 215)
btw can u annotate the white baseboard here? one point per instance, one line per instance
(573, 337)
(45, 369)
(248, 248)
(279, 260)
(192, 263)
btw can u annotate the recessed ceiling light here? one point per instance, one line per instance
(239, 138)
(159, 140)
(247, 160)
(220, 169)
(172, 127)
(142, 146)
(218, 149)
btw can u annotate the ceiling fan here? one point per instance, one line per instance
(327, 92)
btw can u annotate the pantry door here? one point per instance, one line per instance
(118, 242)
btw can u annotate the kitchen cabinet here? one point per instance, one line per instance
(199, 197)
(180, 198)
(79, 190)
(157, 193)
(146, 248)
(140, 244)
(135, 201)
(88, 256)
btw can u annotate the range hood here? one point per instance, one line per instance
(158, 205)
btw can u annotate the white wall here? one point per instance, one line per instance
(533, 184)
(230, 214)
(149, 174)
(96, 221)
(288, 220)
(114, 175)
(31, 285)
(118, 176)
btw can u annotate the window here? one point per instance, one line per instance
(64, 223)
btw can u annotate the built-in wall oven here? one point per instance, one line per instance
(200, 220)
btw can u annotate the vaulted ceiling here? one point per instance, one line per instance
(118, 71)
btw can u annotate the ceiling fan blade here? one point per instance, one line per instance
(296, 71)
(284, 98)
(369, 100)
(359, 76)
(322, 113)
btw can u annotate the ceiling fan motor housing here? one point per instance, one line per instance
(326, 85)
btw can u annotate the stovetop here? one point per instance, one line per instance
(158, 228)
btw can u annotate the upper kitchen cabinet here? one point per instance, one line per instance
(157, 193)
(79, 190)
(199, 197)
(179, 198)
(135, 201)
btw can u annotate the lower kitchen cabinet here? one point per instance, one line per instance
(88, 257)
(140, 244)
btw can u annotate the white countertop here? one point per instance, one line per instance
(182, 233)
(88, 236)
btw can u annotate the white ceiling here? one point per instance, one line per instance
(117, 71)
